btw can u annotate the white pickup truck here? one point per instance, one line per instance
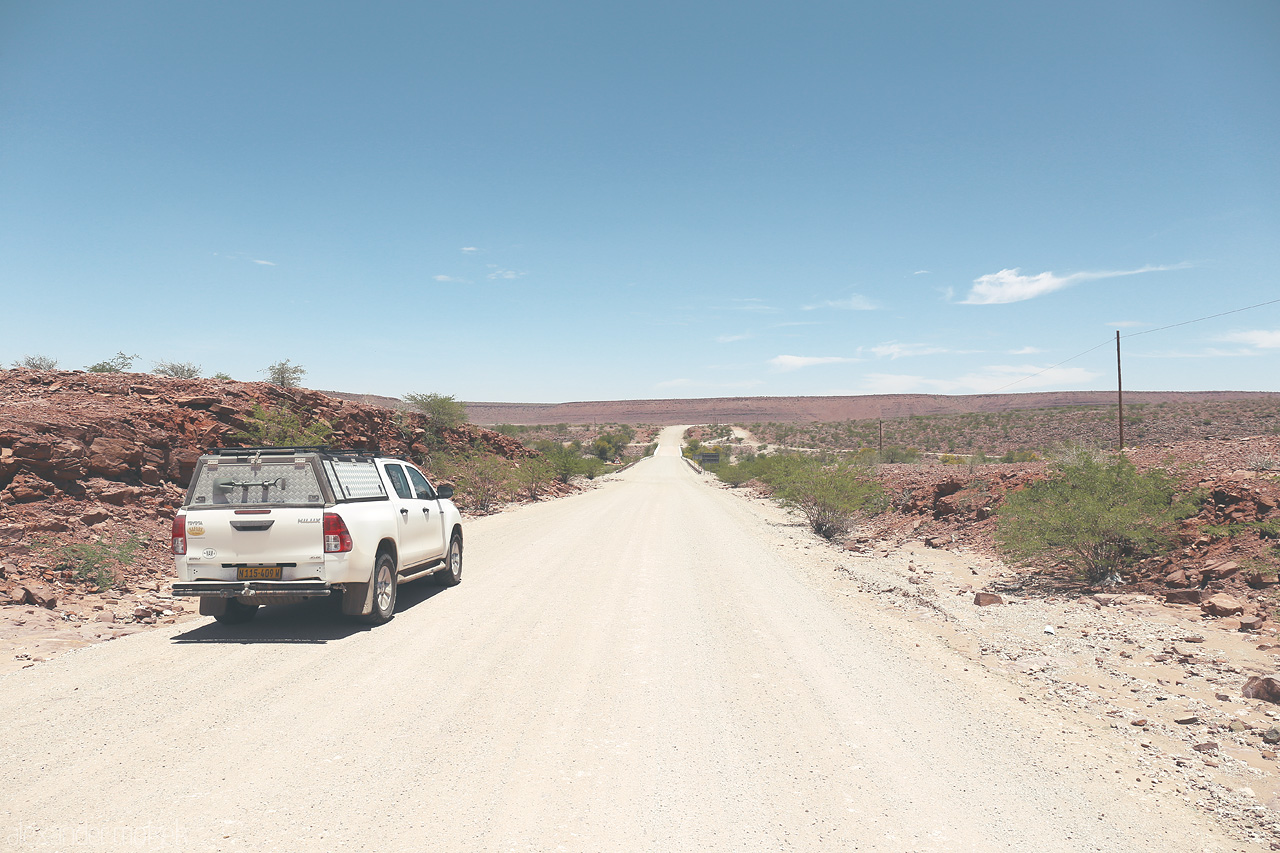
(275, 525)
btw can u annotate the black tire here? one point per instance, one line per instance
(384, 590)
(451, 574)
(237, 612)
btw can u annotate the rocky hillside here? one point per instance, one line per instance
(103, 460)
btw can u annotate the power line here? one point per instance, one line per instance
(1199, 319)
(1134, 335)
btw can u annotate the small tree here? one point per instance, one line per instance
(225, 377)
(36, 362)
(121, 362)
(534, 475)
(177, 369)
(1096, 515)
(269, 427)
(485, 482)
(285, 374)
(444, 410)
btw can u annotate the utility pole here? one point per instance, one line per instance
(1119, 391)
(882, 437)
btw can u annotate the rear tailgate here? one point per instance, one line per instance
(255, 519)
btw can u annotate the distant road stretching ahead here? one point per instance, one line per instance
(636, 668)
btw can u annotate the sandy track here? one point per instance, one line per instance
(638, 667)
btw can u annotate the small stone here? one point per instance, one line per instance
(1187, 720)
(105, 616)
(984, 599)
(1271, 735)
(1141, 722)
(1268, 754)
(1237, 726)
(1251, 624)
(1207, 747)
(1222, 697)
(141, 612)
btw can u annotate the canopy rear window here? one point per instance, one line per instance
(270, 482)
(355, 480)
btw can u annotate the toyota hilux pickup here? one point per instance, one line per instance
(276, 525)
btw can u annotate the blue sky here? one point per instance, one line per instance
(569, 201)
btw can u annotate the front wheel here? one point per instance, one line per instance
(451, 574)
(384, 590)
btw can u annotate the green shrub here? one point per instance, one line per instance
(36, 362)
(177, 369)
(483, 482)
(96, 562)
(285, 374)
(444, 411)
(1096, 515)
(225, 377)
(120, 363)
(534, 475)
(829, 497)
(284, 427)
(900, 454)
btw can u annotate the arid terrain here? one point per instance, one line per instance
(1152, 675)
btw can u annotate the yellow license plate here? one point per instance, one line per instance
(258, 573)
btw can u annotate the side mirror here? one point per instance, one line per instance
(444, 492)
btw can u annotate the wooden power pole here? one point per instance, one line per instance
(1119, 391)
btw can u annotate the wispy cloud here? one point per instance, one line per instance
(921, 272)
(1260, 338)
(893, 349)
(752, 303)
(728, 339)
(449, 278)
(1010, 285)
(265, 263)
(468, 250)
(854, 302)
(499, 273)
(795, 362)
(1025, 351)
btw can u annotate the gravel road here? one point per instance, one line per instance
(646, 666)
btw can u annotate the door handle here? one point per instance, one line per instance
(426, 510)
(404, 512)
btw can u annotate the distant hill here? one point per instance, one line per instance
(807, 409)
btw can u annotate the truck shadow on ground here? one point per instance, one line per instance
(317, 621)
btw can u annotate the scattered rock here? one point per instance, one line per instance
(1208, 747)
(1252, 624)
(1187, 720)
(984, 599)
(1182, 596)
(1271, 735)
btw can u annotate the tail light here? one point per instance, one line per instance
(337, 539)
(179, 535)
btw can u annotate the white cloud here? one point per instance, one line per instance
(449, 278)
(983, 381)
(266, 263)
(1025, 351)
(728, 339)
(1010, 285)
(1260, 338)
(893, 349)
(795, 362)
(468, 250)
(855, 302)
(506, 274)
(921, 272)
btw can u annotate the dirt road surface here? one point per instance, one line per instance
(641, 667)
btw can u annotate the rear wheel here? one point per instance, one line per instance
(384, 590)
(451, 574)
(237, 612)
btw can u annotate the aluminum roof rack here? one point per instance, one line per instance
(286, 451)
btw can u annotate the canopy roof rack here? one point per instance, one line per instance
(290, 451)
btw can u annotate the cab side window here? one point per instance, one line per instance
(420, 485)
(395, 473)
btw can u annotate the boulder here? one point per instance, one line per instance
(27, 488)
(1252, 623)
(1264, 687)
(1222, 605)
(1182, 596)
(112, 457)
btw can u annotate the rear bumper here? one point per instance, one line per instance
(253, 589)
